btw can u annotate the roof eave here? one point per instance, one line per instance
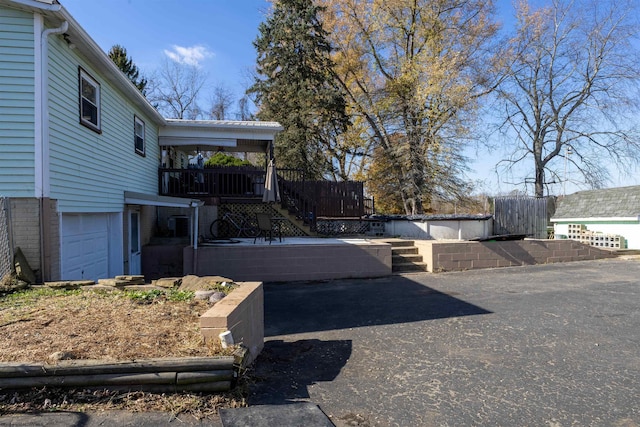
(144, 199)
(216, 132)
(274, 127)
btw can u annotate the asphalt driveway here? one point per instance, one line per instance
(552, 345)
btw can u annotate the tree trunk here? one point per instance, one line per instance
(539, 191)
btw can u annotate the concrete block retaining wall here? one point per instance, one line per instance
(459, 256)
(291, 262)
(242, 313)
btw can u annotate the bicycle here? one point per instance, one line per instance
(230, 223)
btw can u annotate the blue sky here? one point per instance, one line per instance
(217, 35)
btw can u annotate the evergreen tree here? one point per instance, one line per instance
(295, 86)
(118, 55)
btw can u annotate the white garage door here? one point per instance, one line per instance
(85, 246)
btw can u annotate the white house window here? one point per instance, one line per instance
(138, 135)
(89, 101)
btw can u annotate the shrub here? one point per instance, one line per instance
(221, 159)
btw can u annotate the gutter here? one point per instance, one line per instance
(52, 7)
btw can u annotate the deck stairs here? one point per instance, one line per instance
(293, 220)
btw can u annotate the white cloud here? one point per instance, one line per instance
(188, 55)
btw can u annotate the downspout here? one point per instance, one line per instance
(194, 233)
(42, 92)
(41, 122)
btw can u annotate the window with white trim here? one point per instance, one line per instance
(138, 135)
(89, 101)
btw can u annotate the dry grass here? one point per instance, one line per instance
(99, 325)
(109, 325)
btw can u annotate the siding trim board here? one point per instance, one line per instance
(40, 109)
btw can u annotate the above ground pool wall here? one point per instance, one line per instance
(440, 229)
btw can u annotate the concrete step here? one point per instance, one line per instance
(404, 250)
(396, 243)
(408, 267)
(406, 258)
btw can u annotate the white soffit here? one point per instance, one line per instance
(219, 130)
(132, 198)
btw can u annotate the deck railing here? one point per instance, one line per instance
(306, 199)
(232, 181)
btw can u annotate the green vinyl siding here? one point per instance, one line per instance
(595, 222)
(91, 171)
(16, 103)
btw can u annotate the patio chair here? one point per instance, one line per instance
(265, 226)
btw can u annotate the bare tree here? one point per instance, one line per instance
(244, 112)
(174, 89)
(221, 102)
(571, 88)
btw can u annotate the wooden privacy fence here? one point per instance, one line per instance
(523, 215)
(339, 199)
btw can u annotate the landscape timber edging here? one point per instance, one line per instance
(159, 375)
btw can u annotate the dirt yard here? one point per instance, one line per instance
(99, 325)
(47, 325)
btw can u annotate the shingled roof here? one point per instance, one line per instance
(622, 202)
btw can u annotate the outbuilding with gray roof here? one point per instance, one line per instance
(600, 215)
